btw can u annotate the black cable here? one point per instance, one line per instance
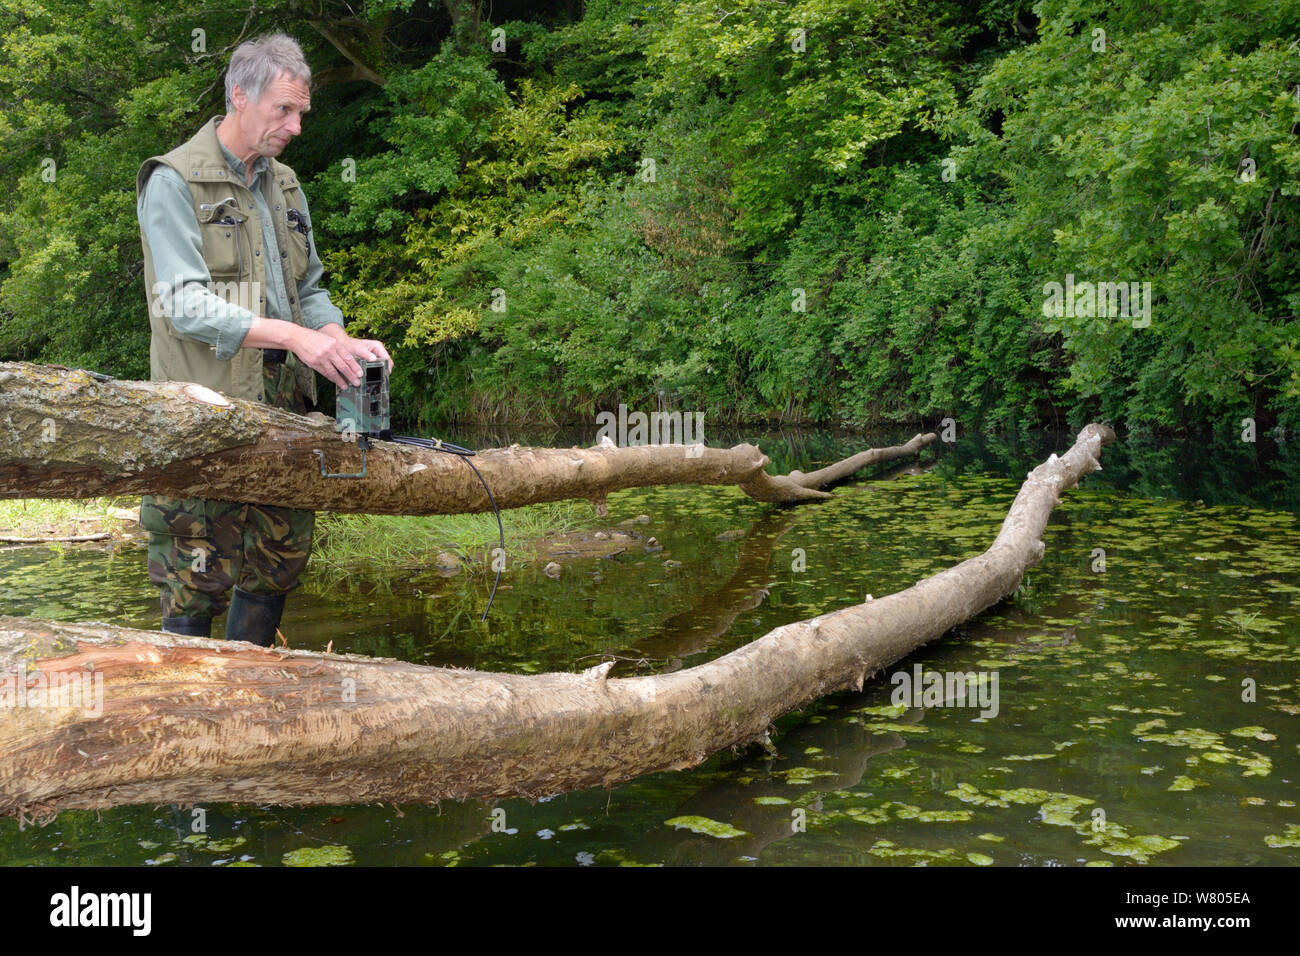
(500, 529)
(464, 454)
(435, 443)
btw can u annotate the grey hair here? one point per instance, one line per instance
(255, 63)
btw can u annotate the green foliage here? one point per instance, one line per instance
(1151, 184)
(816, 91)
(823, 209)
(64, 517)
(520, 179)
(76, 85)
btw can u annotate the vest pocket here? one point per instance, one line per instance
(223, 247)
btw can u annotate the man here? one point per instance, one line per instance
(233, 279)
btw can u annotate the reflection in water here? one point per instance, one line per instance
(695, 629)
(842, 750)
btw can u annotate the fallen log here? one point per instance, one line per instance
(188, 720)
(73, 434)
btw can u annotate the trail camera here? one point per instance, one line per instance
(362, 414)
(363, 409)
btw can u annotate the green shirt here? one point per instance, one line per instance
(166, 213)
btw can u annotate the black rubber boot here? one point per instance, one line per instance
(254, 617)
(189, 626)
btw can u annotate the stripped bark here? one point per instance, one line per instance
(189, 720)
(70, 434)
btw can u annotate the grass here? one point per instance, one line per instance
(347, 544)
(344, 544)
(1245, 622)
(63, 517)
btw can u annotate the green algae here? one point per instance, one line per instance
(887, 849)
(1258, 733)
(897, 728)
(1195, 738)
(871, 815)
(1288, 840)
(1115, 840)
(1059, 809)
(319, 856)
(802, 776)
(905, 811)
(706, 827)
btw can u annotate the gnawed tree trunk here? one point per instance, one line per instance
(69, 434)
(188, 720)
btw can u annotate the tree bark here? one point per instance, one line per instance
(71, 434)
(466, 22)
(189, 720)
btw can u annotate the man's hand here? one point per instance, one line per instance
(332, 352)
(369, 349)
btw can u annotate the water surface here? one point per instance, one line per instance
(1147, 676)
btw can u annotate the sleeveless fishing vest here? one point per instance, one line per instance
(231, 229)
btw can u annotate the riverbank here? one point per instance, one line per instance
(42, 521)
(345, 545)
(351, 545)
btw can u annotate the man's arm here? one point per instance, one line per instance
(166, 213)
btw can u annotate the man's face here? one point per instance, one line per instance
(276, 118)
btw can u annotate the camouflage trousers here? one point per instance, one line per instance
(200, 548)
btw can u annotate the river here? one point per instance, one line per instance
(1147, 687)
